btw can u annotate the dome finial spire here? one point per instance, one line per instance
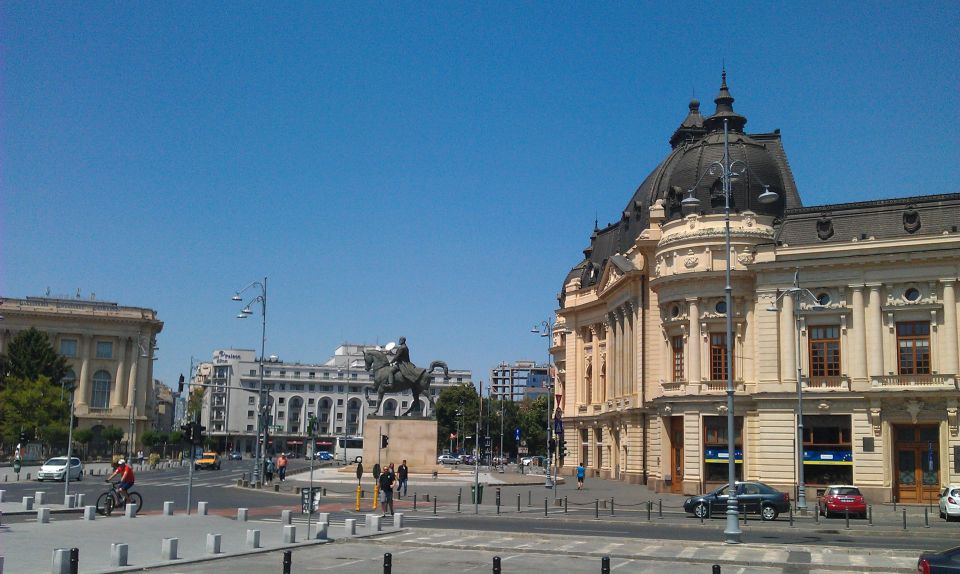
(724, 110)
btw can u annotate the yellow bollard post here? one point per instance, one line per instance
(359, 491)
(376, 494)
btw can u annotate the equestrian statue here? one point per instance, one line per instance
(395, 374)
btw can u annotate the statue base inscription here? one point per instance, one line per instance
(410, 438)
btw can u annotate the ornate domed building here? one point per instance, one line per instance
(641, 335)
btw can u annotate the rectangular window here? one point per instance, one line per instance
(326, 375)
(253, 372)
(68, 347)
(718, 356)
(341, 389)
(339, 402)
(250, 400)
(280, 415)
(313, 388)
(677, 344)
(313, 374)
(827, 449)
(249, 428)
(310, 402)
(296, 374)
(249, 414)
(825, 351)
(104, 349)
(716, 454)
(913, 347)
(281, 400)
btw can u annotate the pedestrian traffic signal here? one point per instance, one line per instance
(384, 440)
(180, 384)
(197, 438)
(552, 444)
(187, 433)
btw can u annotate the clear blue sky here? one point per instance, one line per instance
(422, 169)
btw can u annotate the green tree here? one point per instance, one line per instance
(532, 419)
(457, 408)
(33, 406)
(83, 438)
(509, 411)
(113, 436)
(195, 403)
(149, 439)
(31, 356)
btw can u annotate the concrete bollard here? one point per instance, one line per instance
(253, 539)
(81, 499)
(373, 523)
(350, 526)
(28, 476)
(28, 503)
(213, 544)
(398, 520)
(289, 534)
(286, 517)
(201, 509)
(43, 515)
(241, 515)
(89, 512)
(118, 554)
(168, 548)
(61, 561)
(2, 492)
(323, 517)
(40, 497)
(70, 500)
(321, 531)
(168, 508)
(130, 511)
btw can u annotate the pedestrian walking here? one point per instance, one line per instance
(140, 457)
(581, 473)
(402, 474)
(386, 480)
(282, 466)
(268, 468)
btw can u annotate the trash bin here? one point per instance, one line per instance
(474, 499)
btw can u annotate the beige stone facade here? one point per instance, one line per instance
(640, 339)
(109, 349)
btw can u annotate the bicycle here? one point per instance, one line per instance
(110, 499)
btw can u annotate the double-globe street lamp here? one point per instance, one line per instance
(263, 404)
(796, 293)
(727, 169)
(545, 329)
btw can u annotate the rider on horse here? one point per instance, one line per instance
(400, 360)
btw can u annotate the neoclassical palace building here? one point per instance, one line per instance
(641, 348)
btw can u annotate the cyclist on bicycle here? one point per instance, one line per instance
(126, 478)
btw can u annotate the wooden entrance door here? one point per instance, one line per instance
(916, 463)
(676, 454)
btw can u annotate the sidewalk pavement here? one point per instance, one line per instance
(29, 547)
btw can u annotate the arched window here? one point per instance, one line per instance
(101, 390)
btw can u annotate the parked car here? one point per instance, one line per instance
(946, 562)
(752, 497)
(840, 499)
(209, 460)
(236, 455)
(448, 459)
(55, 469)
(322, 455)
(466, 458)
(950, 502)
(532, 461)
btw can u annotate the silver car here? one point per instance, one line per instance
(950, 502)
(55, 469)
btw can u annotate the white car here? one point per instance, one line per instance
(950, 502)
(447, 459)
(55, 469)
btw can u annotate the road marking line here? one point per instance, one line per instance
(621, 564)
(561, 531)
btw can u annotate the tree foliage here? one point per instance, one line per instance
(457, 410)
(31, 356)
(195, 403)
(113, 436)
(35, 407)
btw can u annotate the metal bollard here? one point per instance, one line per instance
(596, 509)
(605, 565)
(743, 510)
(791, 515)
(459, 493)
(701, 517)
(660, 508)
(529, 498)
(894, 505)
(414, 500)
(564, 504)
(498, 502)
(387, 563)
(869, 515)
(518, 502)
(74, 560)
(545, 507)
(926, 518)
(904, 519)
(287, 561)
(846, 518)
(434, 505)
(716, 569)
(816, 516)
(496, 565)
(649, 509)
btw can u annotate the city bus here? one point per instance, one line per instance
(349, 449)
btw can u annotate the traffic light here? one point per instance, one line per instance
(23, 437)
(180, 384)
(552, 444)
(187, 433)
(197, 438)
(563, 448)
(384, 440)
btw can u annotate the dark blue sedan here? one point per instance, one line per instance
(752, 497)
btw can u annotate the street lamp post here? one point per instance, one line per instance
(545, 329)
(263, 405)
(728, 169)
(66, 477)
(797, 293)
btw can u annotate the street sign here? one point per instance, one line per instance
(516, 433)
(306, 496)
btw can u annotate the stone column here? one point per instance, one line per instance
(949, 330)
(119, 388)
(621, 351)
(858, 342)
(132, 381)
(693, 342)
(630, 380)
(612, 356)
(874, 320)
(749, 352)
(594, 390)
(788, 340)
(83, 397)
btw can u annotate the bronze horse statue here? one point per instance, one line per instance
(378, 364)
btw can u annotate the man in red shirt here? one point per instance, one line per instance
(126, 478)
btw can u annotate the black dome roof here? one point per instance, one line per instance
(697, 143)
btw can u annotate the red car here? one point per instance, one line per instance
(840, 498)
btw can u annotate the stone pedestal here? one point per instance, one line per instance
(413, 439)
